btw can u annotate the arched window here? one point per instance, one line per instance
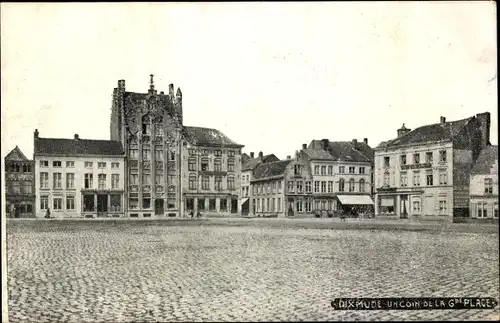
(230, 164)
(193, 183)
(146, 125)
(351, 185)
(341, 185)
(192, 163)
(217, 165)
(362, 185)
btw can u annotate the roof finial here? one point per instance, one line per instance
(151, 82)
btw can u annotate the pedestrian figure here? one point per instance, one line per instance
(342, 215)
(47, 214)
(191, 213)
(199, 214)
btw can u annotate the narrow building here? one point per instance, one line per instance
(484, 185)
(19, 185)
(426, 172)
(248, 166)
(79, 177)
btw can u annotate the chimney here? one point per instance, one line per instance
(354, 142)
(252, 155)
(442, 120)
(261, 155)
(403, 131)
(171, 90)
(365, 140)
(304, 146)
(77, 137)
(288, 157)
(36, 133)
(121, 84)
(325, 143)
(484, 126)
(151, 82)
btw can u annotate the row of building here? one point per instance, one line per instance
(154, 166)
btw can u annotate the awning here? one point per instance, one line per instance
(244, 200)
(355, 199)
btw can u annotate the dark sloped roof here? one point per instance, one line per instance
(16, 155)
(53, 146)
(430, 133)
(251, 163)
(340, 151)
(486, 159)
(207, 136)
(272, 169)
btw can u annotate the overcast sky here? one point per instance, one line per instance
(271, 76)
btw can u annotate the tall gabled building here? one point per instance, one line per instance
(19, 185)
(158, 148)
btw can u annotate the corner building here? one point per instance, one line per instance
(162, 156)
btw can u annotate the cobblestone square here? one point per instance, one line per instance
(138, 271)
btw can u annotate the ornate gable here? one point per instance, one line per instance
(16, 155)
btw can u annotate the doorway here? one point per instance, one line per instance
(403, 206)
(290, 207)
(102, 203)
(234, 206)
(159, 207)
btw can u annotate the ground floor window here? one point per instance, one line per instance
(316, 205)
(88, 203)
(133, 203)
(273, 205)
(279, 204)
(44, 202)
(495, 210)
(308, 206)
(223, 204)
(416, 207)
(201, 204)
(482, 210)
(386, 205)
(190, 204)
(171, 203)
(211, 204)
(442, 207)
(58, 204)
(299, 206)
(115, 201)
(70, 203)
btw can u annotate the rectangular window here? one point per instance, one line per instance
(44, 202)
(146, 179)
(299, 206)
(352, 170)
(291, 186)
(442, 156)
(101, 165)
(403, 159)
(341, 169)
(416, 158)
(70, 202)
(316, 186)
(443, 178)
(192, 164)
(218, 152)
(217, 165)
(230, 153)
(308, 206)
(27, 188)
(351, 185)
(387, 161)
(495, 210)
(308, 187)
(223, 204)
(230, 183)
(230, 165)
(211, 204)
(115, 181)
(57, 180)
(330, 186)
(430, 180)
(192, 152)
(44, 163)
(296, 169)
(218, 183)
(416, 178)
(146, 154)
(44, 180)
(115, 165)
(442, 207)
(70, 164)
(323, 186)
(429, 157)
(316, 170)
(16, 187)
(330, 170)
(205, 182)
(488, 186)
(88, 180)
(146, 202)
(279, 187)
(323, 170)
(279, 204)
(56, 163)
(70, 180)
(416, 207)
(361, 170)
(404, 180)
(58, 204)
(88, 164)
(134, 153)
(299, 186)
(204, 164)
(159, 153)
(102, 181)
(134, 179)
